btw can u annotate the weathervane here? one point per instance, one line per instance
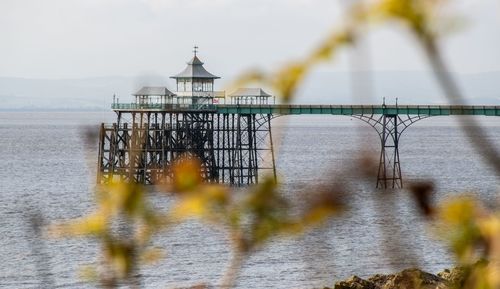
(195, 50)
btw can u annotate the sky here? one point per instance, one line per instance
(54, 39)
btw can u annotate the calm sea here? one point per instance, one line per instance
(47, 172)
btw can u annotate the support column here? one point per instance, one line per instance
(389, 170)
(389, 127)
(231, 147)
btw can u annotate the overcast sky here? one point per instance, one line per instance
(91, 38)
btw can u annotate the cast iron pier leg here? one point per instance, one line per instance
(390, 126)
(389, 169)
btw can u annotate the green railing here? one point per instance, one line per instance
(361, 109)
(278, 109)
(163, 107)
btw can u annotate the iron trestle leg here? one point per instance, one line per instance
(389, 128)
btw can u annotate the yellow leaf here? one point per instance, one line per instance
(94, 224)
(190, 206)
(187, 174)
(288, 78)
(458, 210)
(328, 48)
(318, 215)
(152, 256)
(88, 273)
(215, 194)
(490, 227)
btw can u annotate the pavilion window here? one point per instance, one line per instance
(207, 86)
(181, 85)
(197, 86)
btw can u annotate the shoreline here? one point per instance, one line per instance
(406, 279)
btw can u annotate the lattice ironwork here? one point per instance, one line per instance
(389, 128)
(142, 146)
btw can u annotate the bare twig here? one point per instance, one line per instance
(38, 249)
(469, 124)
(233, 270)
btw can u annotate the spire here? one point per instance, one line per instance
(195, 68)
(195, 60)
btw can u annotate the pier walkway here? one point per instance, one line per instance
(282, 109)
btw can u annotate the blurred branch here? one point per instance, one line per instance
(232, 271)
(38, 250)
(263, 213)
(470, 126)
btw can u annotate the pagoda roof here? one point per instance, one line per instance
(195, 69)
(249, 92)
(153, 91)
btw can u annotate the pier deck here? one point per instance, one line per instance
(282, 109)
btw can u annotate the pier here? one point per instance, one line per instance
(233, 140)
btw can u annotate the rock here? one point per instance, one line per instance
(354, 282)
(406, 279)
(379, 279)
(455, 276)
(414, 279)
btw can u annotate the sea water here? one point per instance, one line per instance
(47, 173)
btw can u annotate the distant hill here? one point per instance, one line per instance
(71, 94)
(319, 87)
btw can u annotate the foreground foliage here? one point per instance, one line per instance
(124, 223)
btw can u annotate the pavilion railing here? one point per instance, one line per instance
(162, 106)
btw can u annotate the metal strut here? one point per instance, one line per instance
(389, 128)
(232, 148)
(389, 172)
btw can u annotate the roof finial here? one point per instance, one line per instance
(195, 49)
